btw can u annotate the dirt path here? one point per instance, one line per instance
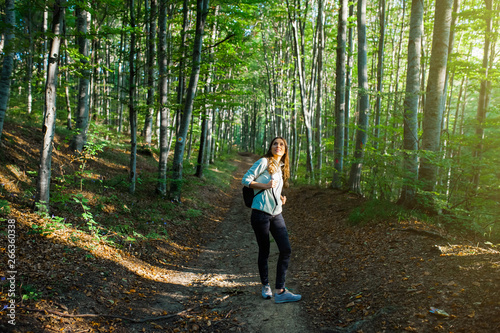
(226, 274)
(159, 286)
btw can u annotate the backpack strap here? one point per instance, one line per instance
(256, 194)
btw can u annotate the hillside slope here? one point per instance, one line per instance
(153, 266)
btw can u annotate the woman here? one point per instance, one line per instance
(271, 173)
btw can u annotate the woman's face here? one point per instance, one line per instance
(278, 148)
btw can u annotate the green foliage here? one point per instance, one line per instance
(52, 222)
(4, 207)
(40, 230)
(382, 211)
(87, 215)
(193, 213)
(93, 147)
(30, 293)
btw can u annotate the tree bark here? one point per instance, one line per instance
(306, 112)
(410, 141)
(176, 184)
(348, 84)
(482, 103)
(433, 111)
(49, 124)
(8, 60)
(148, 123)
(340, 96)
(131, 105)
(202, 152)
(380, 73)
(364, 103)
(182, 75)
(319, 88)
(163, 64)
(82, 110)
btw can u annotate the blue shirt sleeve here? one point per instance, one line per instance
(257, 168)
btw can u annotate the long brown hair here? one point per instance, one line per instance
(285, 167)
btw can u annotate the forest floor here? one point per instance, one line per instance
(384, 276)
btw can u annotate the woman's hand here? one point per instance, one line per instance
(263, 186)
(272, 183)
(283, 199)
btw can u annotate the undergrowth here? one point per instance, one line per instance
(89, 194)
(383, 211)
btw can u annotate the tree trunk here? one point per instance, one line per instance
(148, 124)
(433, 112)
(203, 145)
(205, 114)
(380, 74)
(364, 103)
(131, 96)
(82, 110)
(482, 104)
(306, 112)
(176, 184)
(454, 17)
(69, 125)
(121, 79)
(410, 143)
(8, 60)
(49, 124)
(29, 71)
(348, 85)
(319, 125)
(163, 64)
(182, 75)
(340, 96)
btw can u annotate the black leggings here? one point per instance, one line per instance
(262, 224)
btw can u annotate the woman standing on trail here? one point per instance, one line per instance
(267, 177)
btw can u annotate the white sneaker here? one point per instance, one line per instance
(286, 297)
(267, 292)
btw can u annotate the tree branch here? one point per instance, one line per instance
(222, 41)
(67, 315)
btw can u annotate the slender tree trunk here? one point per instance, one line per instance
(182, 75)
(380, 73)
(340, 96)
(482, 103)
(49, 124)
(148, 124)
(410, 142)
(454, 17)
(69, 125)
(121, 88)
(45, 23)
(205, 121)
(203, 145)
(163, 64)
(29, 71)
(8, 60)
(132, 110)
(176, 184)
(82, 110)
(433, 112)
(348, 84)
(104, 99)
(364, 103)
(319, 125)
(306, 112)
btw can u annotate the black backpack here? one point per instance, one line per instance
(248, 195)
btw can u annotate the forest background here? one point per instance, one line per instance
(393, 100)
